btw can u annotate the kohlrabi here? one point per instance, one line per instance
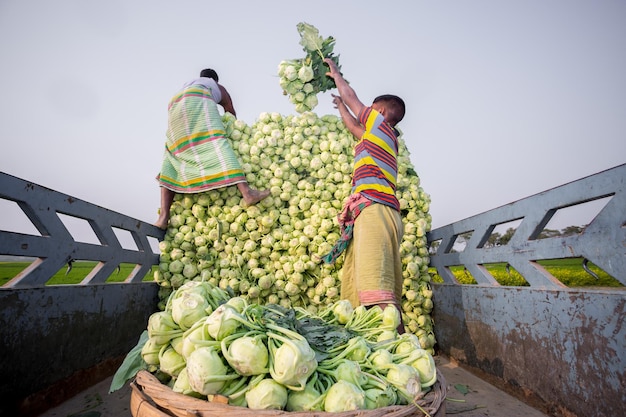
(267, 395)
(247, 354)
(344, 396)
(292, 360)
(206, 371)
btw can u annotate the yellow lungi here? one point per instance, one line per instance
(372, 268)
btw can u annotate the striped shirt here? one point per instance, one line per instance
(375, 160)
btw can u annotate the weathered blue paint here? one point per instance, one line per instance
(561, 346)
(56, 340)
(565, 348)
(50, 334)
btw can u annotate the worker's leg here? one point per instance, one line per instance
(167, 197)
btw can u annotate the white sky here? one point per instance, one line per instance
(505, 99)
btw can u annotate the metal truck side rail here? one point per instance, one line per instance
(56, 247)
(602, 242)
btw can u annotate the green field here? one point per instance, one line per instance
(79, 270)
(569, 271)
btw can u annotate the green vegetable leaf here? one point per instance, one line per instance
(463, 389)
(132, 364)
(320, 335)
(323, 336)
(311, 39)
(280, 316)
(317, 49)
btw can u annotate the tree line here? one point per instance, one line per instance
(498, 239)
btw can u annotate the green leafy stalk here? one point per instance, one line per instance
(317, 49)
(356, 350)
(235, 386)
(311, 40)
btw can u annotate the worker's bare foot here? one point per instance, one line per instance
(254, 196)
(162, 222)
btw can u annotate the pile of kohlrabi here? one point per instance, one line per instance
(207, 343)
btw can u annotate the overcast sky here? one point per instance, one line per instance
(505, 99)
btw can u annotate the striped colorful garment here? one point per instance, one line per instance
(198, 156)
(351, 210)
(373, 178)
(375, 160)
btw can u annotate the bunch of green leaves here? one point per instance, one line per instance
(321, 336)
(317, 49)
(278, 315)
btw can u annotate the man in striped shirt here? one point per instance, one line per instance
(370, 222)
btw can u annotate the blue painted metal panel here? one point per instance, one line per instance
(57, 340)
(602, 242)
(563, 347)
(55, 247)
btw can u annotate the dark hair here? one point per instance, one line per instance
(395, 108)
(209, 73)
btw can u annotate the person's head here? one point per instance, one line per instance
(209, 73)
(391, 107)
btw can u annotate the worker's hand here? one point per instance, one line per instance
(334, 71)
(337, 101)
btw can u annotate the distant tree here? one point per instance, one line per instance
(493, 240)
(547, 233)
(572, 230)
(506, 237)
(464, 237)
(434, 246)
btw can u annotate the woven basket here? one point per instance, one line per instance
(150, 398)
